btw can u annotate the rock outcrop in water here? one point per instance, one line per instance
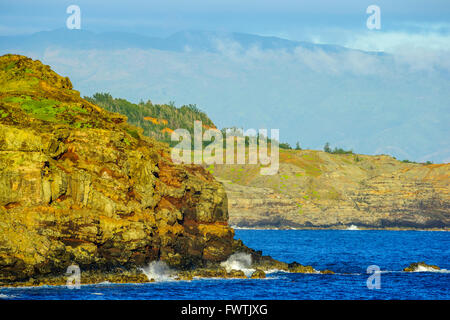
(78, 185)
(421, 266)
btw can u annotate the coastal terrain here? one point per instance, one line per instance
(81, 185)
(313, 189)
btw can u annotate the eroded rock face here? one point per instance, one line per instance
(80, 186)
(314, 189)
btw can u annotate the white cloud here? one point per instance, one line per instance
(393, 41)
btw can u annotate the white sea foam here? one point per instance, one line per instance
(5, 296)
(352, 227)
(275, 271)
(158, 271)
(239, 261)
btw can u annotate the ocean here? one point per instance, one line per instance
(347, 252)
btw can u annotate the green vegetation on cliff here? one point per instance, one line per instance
(157, 120)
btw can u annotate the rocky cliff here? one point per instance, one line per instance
(78, 185)
(315, 189)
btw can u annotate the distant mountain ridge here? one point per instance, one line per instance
(178, 42)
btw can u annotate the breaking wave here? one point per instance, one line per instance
(239, 261)
(158, 271)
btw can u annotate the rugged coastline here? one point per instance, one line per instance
(79, 185)
(317, 190)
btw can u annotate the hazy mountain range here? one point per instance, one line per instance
(179, 42)
(370, 102)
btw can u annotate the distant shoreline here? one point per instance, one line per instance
(336, 228)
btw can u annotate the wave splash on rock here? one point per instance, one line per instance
(239, 261)
(158, 271)
(424, 267)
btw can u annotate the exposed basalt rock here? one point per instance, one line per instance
(215, 272)
(78, 185)
(258, 274)
(420, 266)
(298, 268)
(118, 275)
(236, 274)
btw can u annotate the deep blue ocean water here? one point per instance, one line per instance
(348, 253)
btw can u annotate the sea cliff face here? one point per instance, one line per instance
(315, 189)
(78, 185)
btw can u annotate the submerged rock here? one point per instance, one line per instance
(421, 266)
(327, 272)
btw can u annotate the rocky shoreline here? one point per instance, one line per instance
(344, 228)
(258, 267)
(122, 276)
